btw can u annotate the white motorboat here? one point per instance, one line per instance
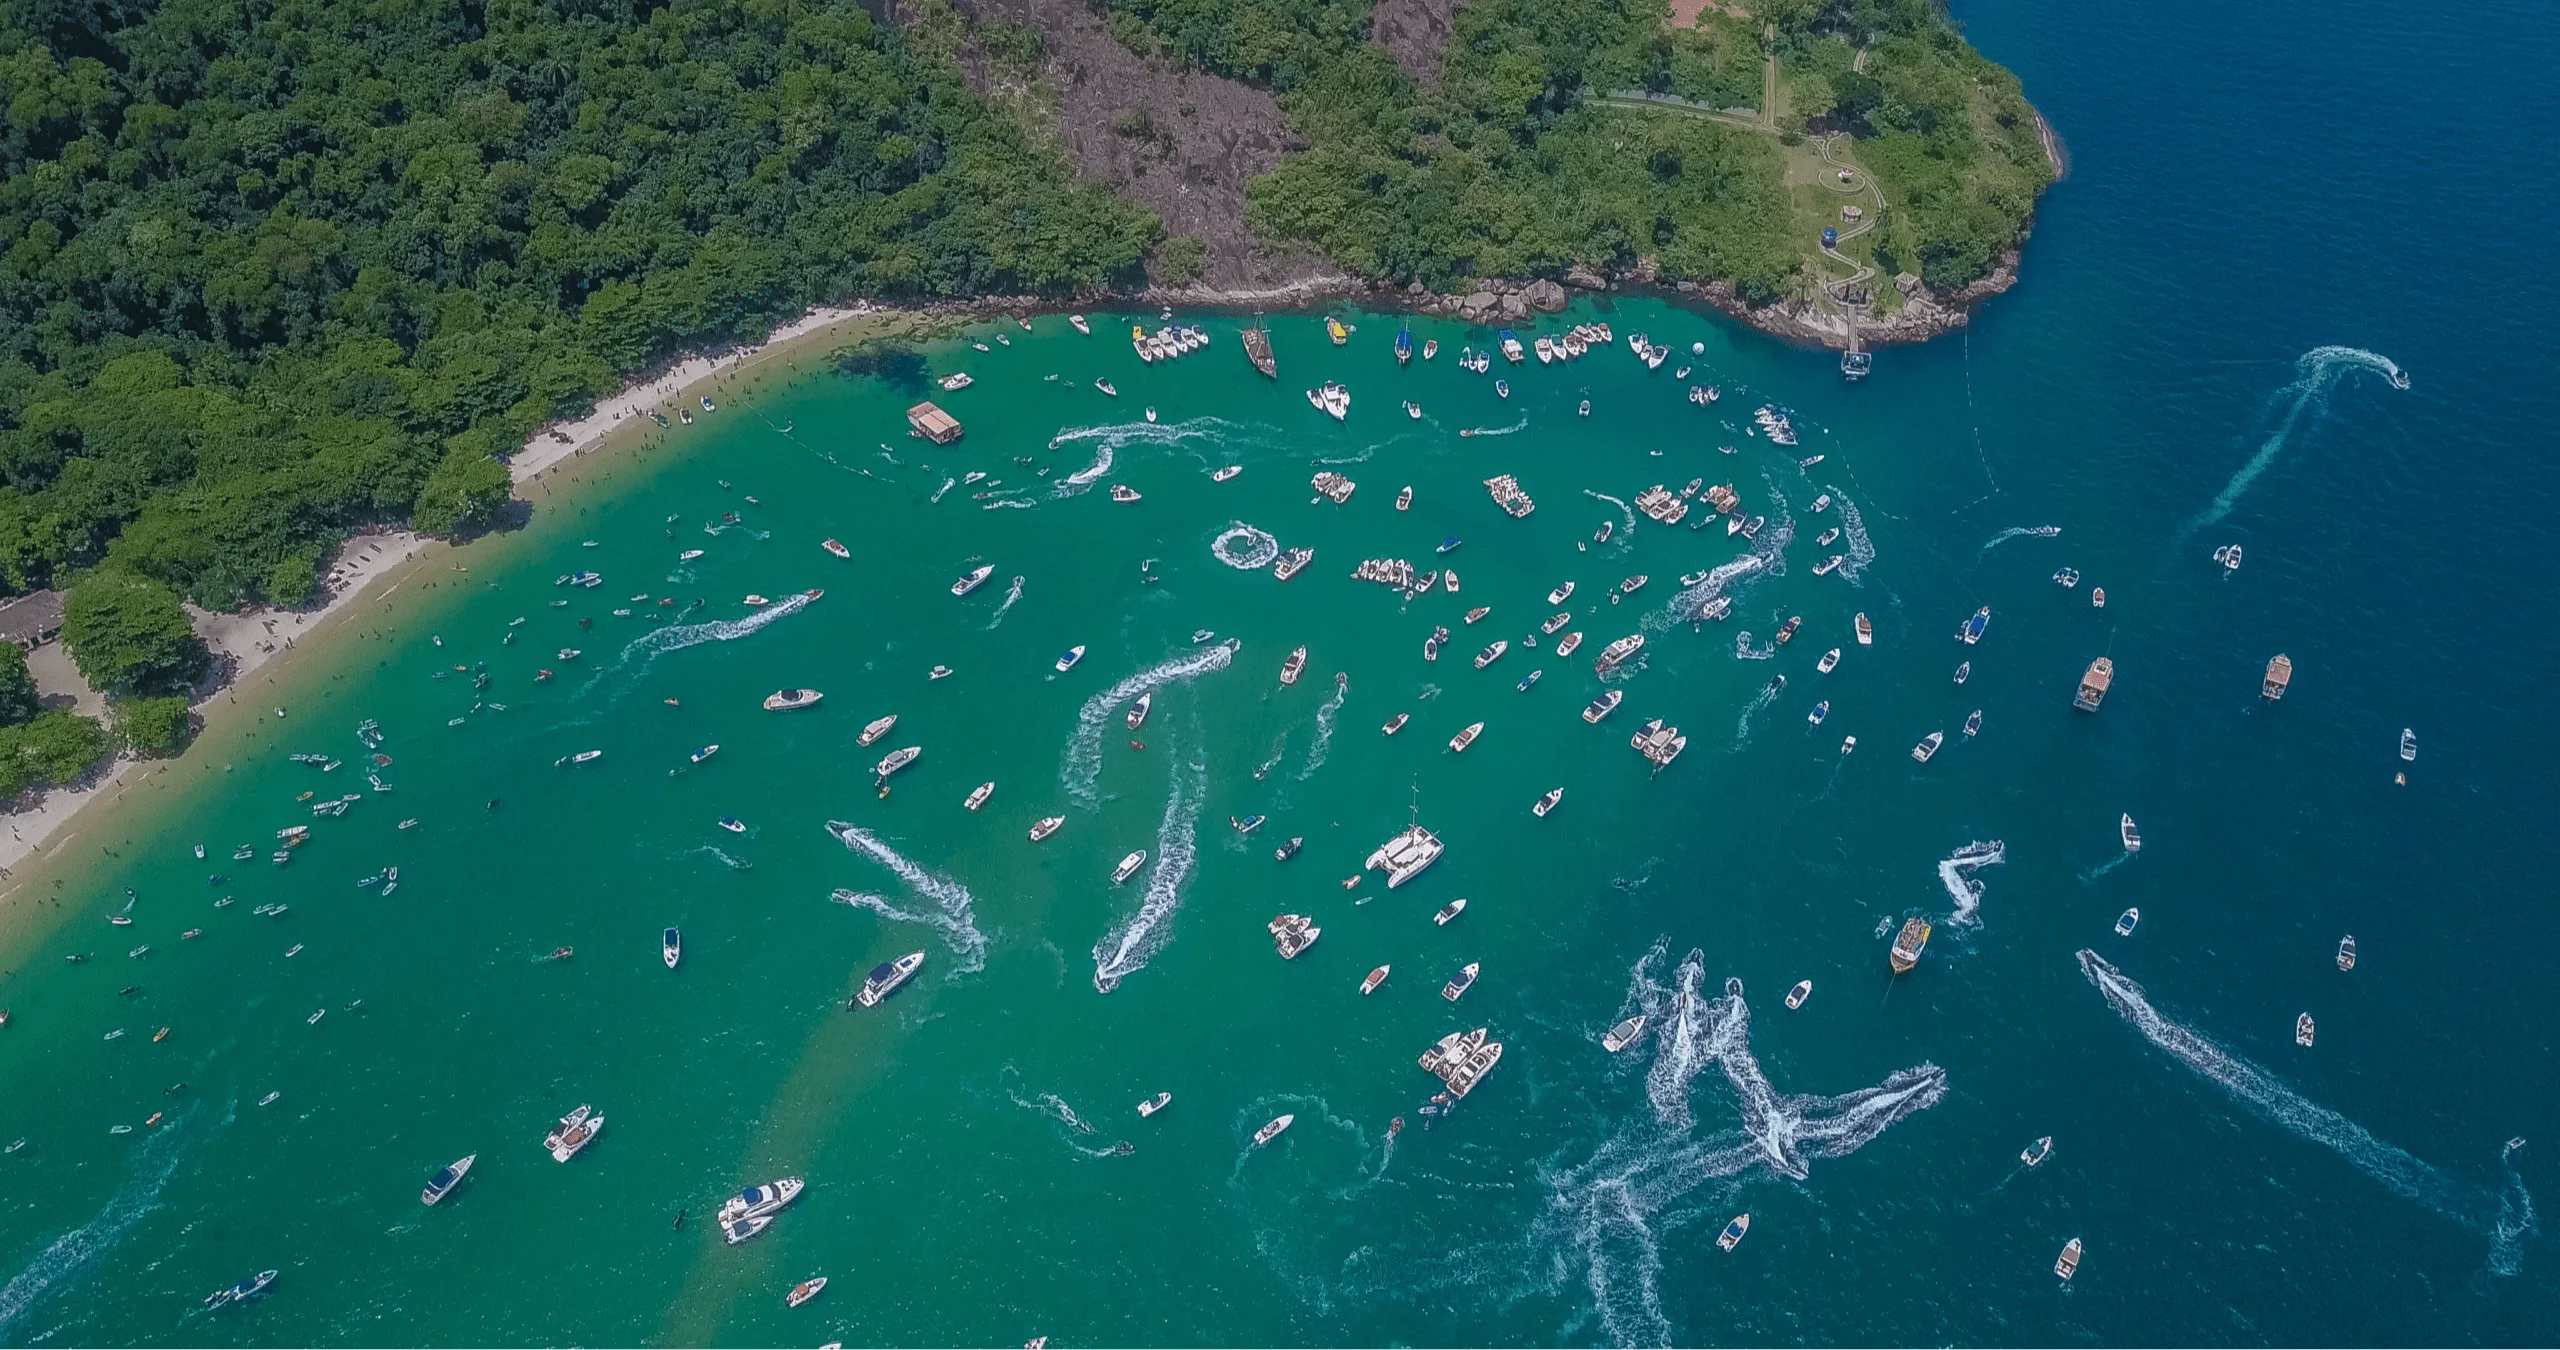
(1458, 986)
(1622, 1035)
(1406, 856)
(2132, 837)
(1155, 1103)
(1731, 1237)
(1128, 867)
(1271, 1131)
(671, 947)
(978, 795)
(1830, 661)
(973, 580)
(1138, 711)
(446, 1178)
(1068, 661)
(1046, 826)
(885, 978)
(1547, 803)
(876, 729)
(1450, 911)
(1376, 977)
(787, 700)
(895, 760)
(1797, 995)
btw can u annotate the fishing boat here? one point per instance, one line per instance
(787, 700)
(973, 580)
(876, 729)
(1289, 668)
(1125, 494)
(1138, 711)
(575, 1131)
(885, 978)
(1731, 1237)
(2126, 922)
(1376, 977)
(2408, 744)
(2347, 952)
(2093, 685)
(1288, 850)
(1450, 911)
(1820, 710)
(671, 947)
(1928, 746)
(1602, 706)
(1547, 803)
(895, 760)
(1970, 631)
(2097, 597)
(1395, 723)
(1529, 679)
(1046, 826)
(1271, 1131)
(1458, 986)
(1908, 944)
(2302, 1024)
(1246, 825)
(2033, 1155)
(1964, 671)
(1493, 653)
(2279, 674)
(1566, 644)
(1068, 661)
(804, 1291)
(2068, 1264)
(1622, 1035)
(446, 1178)
(1866, 630)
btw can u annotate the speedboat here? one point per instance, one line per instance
(1830, 659)
(1450, 544)
(1376, 977)
(1548, 802)
(2347, 952)
(242, 1292)
(978, 795)
(1430, 348)
(1125, 494)
(2408, 744)
(1502, 388)
(1601, 535)
(446, 1178)
(973, 580)
(1271, 1131)
(1866, 631)
(1155, 1103)
(1450, 911)
(1560, 594)
(1478, 613)
(1413, 410)
(744, 1226)
(1068, 661)
(1466, 737)
(1530, 679)
(875, 729)
(1797, 995)
(1633, 584)
(1823, 540)
(1396, 723)
(705, 752)
(1964, 671)
(1492, 654)
(2132, 836)
(1289, 668)
(885, 978)
(1928, 746)
(1970, 631)
(1622, 1035)
(2229, 556)
(2068, 1263)
(836, 547)
(1566, 644)
(786, 700)
(2067, 578)
(1602, 706)
(2302, 1024)
(1457, 987)
(2125, 922)
(575, 1131)
(804, 1291)
(1077, 322)
(1106, 387)
(1288, 850)
(688, 555)
(1138, 711)
(1691, 579)
(1560, 619)
(1047, 825)
(1449, 581)
(2097, 597)
(1222, 475)
(1404, 499)
(1820, 710)
(2033, 1155)
(671, 947)
(1128, 867)
(1732, 1234)
(1247, 825)
(1973, 722)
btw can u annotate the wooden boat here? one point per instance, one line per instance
(2279, 674)
(1908, 944)
(1257, 349)
(2093, 685)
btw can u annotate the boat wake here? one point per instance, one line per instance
(947, 485)
(1258, 549)
(1125, 950)
(716, 851)
(1521, 425)
(1082, 767)
(2020, 532)
(2111, 864)
(1627, 526)
(70, 1257)
(1073, 1128)
(645, 649)
(1744, 651)
(1856, 550)
(953, 912)
(1324, 730)
(1077, 483)
(1679, 1052)
(1955, 872)
(2316, 370)
(1688, 605)
(1012, 594)
(1742, 724)
(2504, 1216)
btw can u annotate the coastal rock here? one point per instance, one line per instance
(1475, 305)
(1582, 275)
(1544, 296)
(1513, 307)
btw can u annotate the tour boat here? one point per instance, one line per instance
(1458, 986)
(1908, 944)
(978, 795)
(1548, 802)
(1128, 867)
(446, 1178)
(973, 580)
(1928, 746)
(1046, 826)
(1395, 723)
(1732, 1234)
(2302, 1024)
(1622, 1035)
(2068, 1264)
(1450, 911)
(1830, 660)
(1376, 977)
(1068, 661)
(1797, 995)
(671, 947)
(2347, 952)
(1271, 1131)
(1866, 631)
(876, 729)
(2126, 922)
(2034, 1154)
(2279, 674)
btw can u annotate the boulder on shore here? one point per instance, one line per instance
(1544, 296)
(1477, 303)
(1582, 275)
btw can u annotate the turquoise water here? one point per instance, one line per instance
(959, 1141)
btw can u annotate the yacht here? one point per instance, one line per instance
(1128, 867)
(2068, 1263)
(1830, 660)
(786, 700)
(2408, 744)
(1289, 669)
(671, 947)
(2033, 1155)
(1154, 1104)
(1396, 723)
(1492, 654)
(978, 795)
(2132, 836)
(1047, 825)
(1928, 746)
(1566, 644)
(1617, 652)
(575, 1131)
(1450, 911)
(2126, 921)
(1820, 710)
(885, 978)
(1457, 988)
(1970, 631)
(1548, 802)
(1797, 995)
(1731, 1237)
(1288, 850)
(1622, 1035)
(1466, 737)
(1293, 934)
(1404, 857)
(1068, 661)
(1602, 706)
(446, 1178)
(1138, 711)
(2302, 1024)
(874, 730)
(895, 760)
(973, 580)
(762, 1202)
(1866, 631)
(804, 1291)
(1376, 977)
(2347, 952)
(1908, 944)
(1560, 594)
(1271, 1131)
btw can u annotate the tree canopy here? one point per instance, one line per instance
(129, 634)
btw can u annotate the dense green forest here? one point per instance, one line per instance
(278, 268)
(1506, 164)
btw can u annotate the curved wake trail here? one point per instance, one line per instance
(1324, 729)
(1627, 526)
(1688, 605)
(1072, 1128)
(1261, 548)
(953, 910)
(1679, 1051)
(2318, 369)
(1125, 950)
(1955, 872)
(67, 1258)
(648, 647)
(1010, 596)
(1742, 724)
(1856, 549)
(1082, 767)
(2505, 1217)
(1082, 480)
(2019, 532)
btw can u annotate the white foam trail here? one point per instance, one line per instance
(1260, 551)
(1082, 766)
(1856, 549)
(1686, 605)
(1678, 1048)
(1007, 504)
(1742, 724)
(2020, 532)
(1955, 872)
(648, 647)
(1011, 595)
(946, 487)
(1744, 651)
(1628, 526)
(1520, 425)
(2505, 1217)
(1126, 949)
(1076, 483)
(1324, 730)
(953, 911)
(70, 1257)
(2317, 370)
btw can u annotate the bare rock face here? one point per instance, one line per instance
(1475, 306)
(1544, 296)
(1415, 32)
(1582, 275)
(1513, 307)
